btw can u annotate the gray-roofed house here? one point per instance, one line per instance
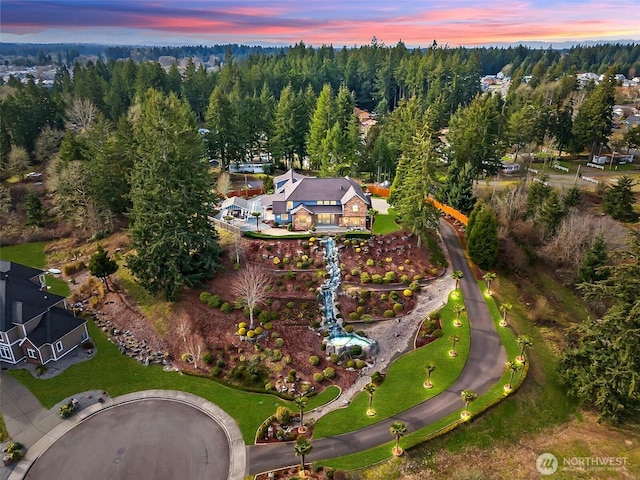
(35, 324)
(305, 202)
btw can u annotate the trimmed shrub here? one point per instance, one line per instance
(377, 378)
(398, 307)
(226, 307)
(207, 357)
(353, 316)
(384, 296)
(360, 310)
(276, 355)
(329, 373)
(365, 277)
(356, 351)
(268, 326)
(351, 363)
(279, 342)
(251, 334)
(216, 371)
(370, 262)
(276, 261)
(242, 332)
(435, 315)
(258, 330)
(376, 278)
(348, 328)
(314, 360)
(283, 415)
(318, 377)
(388, 313)
(360, 364)
(404, 278)
(437, 333)
(414, 287)
(269, 387)
(334, 358)
(407, 292)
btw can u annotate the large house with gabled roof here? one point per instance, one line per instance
(306, 202)
(35, 324)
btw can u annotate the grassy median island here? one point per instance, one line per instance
(403, 386)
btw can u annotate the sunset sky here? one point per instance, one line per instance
(335, 22)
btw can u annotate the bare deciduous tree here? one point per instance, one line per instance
(18, 162)
(82, 113)
(223, 185)
(193, 343)
(250, 286)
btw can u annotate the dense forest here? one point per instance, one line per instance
(117, 141)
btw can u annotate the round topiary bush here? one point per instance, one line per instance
(258, 330)
(242, 332)
(268, 326)
(351, 363)
(414, 287)
(370, 262)
(279, 342)
(348, 328)
(384, 296)
(314, 360)
(251, 334)
(360, 310)
(377, 378)
(360, 364)
(397, 307)
(318, 377)
(334, 358)
(242, 325)
(329, 373)
(276, 355)
(207, 357)
(388, 313)
(356, 350)
(226, 307)
(407, 292)
(353, 316)
(283, 415)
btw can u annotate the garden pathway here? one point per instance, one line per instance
(484, 368)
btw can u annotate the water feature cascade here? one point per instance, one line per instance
(338, 340)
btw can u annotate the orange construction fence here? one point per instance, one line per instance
(461, 217)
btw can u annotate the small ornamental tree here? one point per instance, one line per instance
(505, 308)
(101, 265)
(458, 309)
(512, 367)
(302, 448)
(524, 342)
(467, 397)
(301, 402)
(257, 216)
(398, 430)
(457, 275)
(454, 340)
(370, 388)
(489, 277)
(250, 286)
(429, 368)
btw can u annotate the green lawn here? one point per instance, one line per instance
(32, 255)
(403, 386)
(117, 374)
(386, 223)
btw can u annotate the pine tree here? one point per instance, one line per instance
(36, 213)
(591, 269)
(482, 239)
(174, 240)
(101, 265)
(321, 122)
(619, 199)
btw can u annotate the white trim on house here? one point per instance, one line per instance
(59, 346)
(31, 353)
(6, 353)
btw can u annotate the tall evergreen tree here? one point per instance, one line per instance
(101, 265)
(619, 199)
(593, 268)
(175, 243)
(36, 213)
(482, 239)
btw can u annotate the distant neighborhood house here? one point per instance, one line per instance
(35, 325)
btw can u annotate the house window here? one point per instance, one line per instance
(284, 216)
(355, 207)
(289, 205)
(320, 202)
(5, 352)
(31, 353)
(333, 202)
(59, 346)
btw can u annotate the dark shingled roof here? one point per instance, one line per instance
(20, 290)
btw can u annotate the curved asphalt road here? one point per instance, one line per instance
(485, 366)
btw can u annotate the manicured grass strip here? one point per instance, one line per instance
(30, 254)
(117, 374)
(386, 223)
(327, 395)
(403, 385)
